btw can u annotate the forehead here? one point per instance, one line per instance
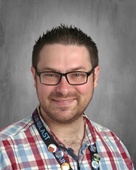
(64, 56)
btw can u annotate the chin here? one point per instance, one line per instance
(66, 119)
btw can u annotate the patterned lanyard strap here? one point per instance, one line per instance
(54, 148)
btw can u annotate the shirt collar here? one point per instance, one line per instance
(90, 137)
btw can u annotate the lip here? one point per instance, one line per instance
(63, 102)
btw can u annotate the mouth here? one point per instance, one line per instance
(64, 102)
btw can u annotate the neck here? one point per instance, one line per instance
(70, 134)
(68, 131)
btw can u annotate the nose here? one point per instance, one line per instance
(63, 87)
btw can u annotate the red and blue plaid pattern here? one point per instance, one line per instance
(21, 148)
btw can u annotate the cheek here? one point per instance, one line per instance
(88, 87)
(86, 90)
(42, 90)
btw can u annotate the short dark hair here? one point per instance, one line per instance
(67, 35)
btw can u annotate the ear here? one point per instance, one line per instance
(34, 75)
(96, 75)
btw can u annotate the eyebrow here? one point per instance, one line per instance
(56, 70)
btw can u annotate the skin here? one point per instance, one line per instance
(62, 105)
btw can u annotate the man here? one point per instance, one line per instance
(59, 135)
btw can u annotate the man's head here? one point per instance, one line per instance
(67, 36)
(65, 70)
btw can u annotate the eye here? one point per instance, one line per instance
(49, 74)
(78, 75)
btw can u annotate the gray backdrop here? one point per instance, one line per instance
(111, 23)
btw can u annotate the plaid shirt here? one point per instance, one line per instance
(21, 148)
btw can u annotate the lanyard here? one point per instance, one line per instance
(56, 150)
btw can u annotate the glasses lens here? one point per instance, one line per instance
(77, 77)
(50, 78)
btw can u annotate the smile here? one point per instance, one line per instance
(63, 101)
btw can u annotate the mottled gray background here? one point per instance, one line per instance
(111, 23)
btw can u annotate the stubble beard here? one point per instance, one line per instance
(64, 115)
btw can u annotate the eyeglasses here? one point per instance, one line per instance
(53, 78)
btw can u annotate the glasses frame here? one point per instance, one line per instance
(65, 75)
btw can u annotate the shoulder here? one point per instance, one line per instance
(100, 131)
(16, 128)
(107, 140)
(110, 147)
(97, 127)
(105, 137)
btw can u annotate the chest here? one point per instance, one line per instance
(75, 145)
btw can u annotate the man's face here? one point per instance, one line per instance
(64, 103)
